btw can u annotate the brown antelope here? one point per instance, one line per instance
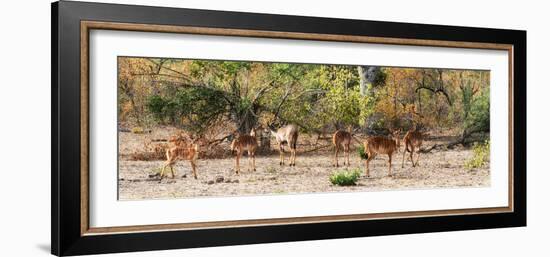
(180, 150)
(382, 145)
(413, 140)
(341, 139)
(242, 143)
(286, 135)
(179, 139)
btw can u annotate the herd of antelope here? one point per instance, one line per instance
(179, 149)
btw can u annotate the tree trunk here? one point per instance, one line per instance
(363, 80)
(265, 143)
(367, 76)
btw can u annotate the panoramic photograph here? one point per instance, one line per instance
(216, 128)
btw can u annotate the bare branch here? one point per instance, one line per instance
(283, 100)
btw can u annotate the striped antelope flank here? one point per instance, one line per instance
(341, 139)
(413, 140)
(242, 143)
(180, 150)
(382, 145)
(179, 139)
(286, 135)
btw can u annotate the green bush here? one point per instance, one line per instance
(361, 152)
(345, 177)
(156, 104)
(479, 113)
(137, 130)
(481, 155)
(195, 108)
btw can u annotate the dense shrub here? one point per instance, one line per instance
(345, 177)
(481, 155)
(155, 105)
(194, 108)
(479, 113)
(361, 152)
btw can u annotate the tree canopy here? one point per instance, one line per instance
(197, 95)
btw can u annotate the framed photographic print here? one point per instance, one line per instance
(179, 128)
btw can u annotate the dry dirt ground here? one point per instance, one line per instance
(216, 177)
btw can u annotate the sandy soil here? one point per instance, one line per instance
(216, 177)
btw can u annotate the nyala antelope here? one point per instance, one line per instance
(382, 145)
(180, 150)
(413, 140)
(286, 135)
(242, 143)
(179, 139)
(341, 139)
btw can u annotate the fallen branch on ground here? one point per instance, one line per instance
(316, 148)
(449, 145)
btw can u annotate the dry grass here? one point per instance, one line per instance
(438, 169)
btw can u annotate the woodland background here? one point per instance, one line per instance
(213, 98)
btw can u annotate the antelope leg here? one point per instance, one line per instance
(336, 156)
(389, 164)
(281, 154)
(194, 168)
(237, 168)
(404, 153)
(253, 161)
(294, 156)
(371, 156)
(162, 171)
(290, 158)
(411, 157)
(249, 162)
(367, 168)
(347, 155)
(418, 157)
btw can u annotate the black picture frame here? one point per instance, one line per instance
(66, 209)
